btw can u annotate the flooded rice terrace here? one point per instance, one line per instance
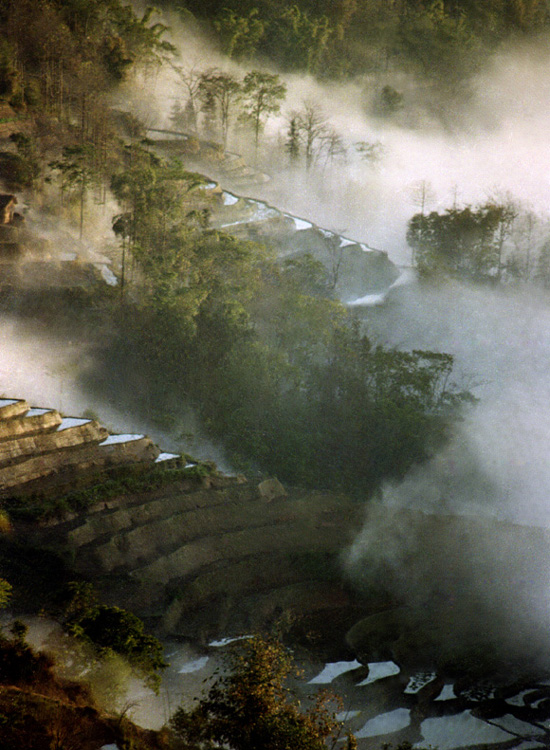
(382, 705)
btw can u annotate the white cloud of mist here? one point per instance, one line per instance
(496, 142)
(498, 461)
(499, 144)
(44, 368)
(493, 141)
(463, 532)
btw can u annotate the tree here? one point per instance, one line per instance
(252, 707)
(466, 242)
(388, 101)
(309, 131)
(298, 40)
(224, 90)
(525, 223)
(292, 145)
(140, 40)
(76, 168)
(335, 252)
(112, 630)
(332, 146)
(313, 130)
(209, 124)
(422, 195)
(440, 44)
(262, 95)
(178, 117)
(370, 151)
(190, 78)
(240, 35)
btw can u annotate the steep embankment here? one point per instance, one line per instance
(202, 555)
(39, 710)
(39, 449)
(198, 552)
(209, 560)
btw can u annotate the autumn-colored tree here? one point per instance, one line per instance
(253, 707)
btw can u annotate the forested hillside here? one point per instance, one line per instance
(261, 348)
(248, 333)
(439, 38)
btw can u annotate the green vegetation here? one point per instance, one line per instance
(55, 54)
(463, 242)
(278, 371)
(262, 94)
(498, 241)
(276, 368)
(58, 60)
(253, 707)
(111, 630)
(46, 505)
(443, 39)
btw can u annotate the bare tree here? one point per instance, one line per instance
(313, 129)
(333, 147)
(525, 225)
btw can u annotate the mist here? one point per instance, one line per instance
(48, 370)
(492, 143)
(489, 140)
(464, 538)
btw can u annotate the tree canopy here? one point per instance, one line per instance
(443, 39)
(57, 50)
(465, 242)
(253, 707)
(114, 630)
(278, 370)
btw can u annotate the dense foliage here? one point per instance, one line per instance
(58, 60)
(253, 707)
(54, 51)
(114, 630)
(278, 370)
(445, 39)
(496, 242)
(275, 367)
(463, 242)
